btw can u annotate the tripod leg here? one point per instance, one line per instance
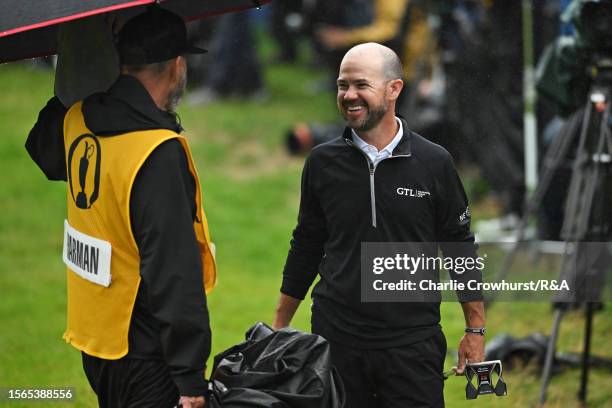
(586, 354)
(552, 160)
(550, 355)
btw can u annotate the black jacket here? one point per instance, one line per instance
(336, 216)
(170, 318)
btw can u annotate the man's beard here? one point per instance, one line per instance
(370, 121)
(174, 97)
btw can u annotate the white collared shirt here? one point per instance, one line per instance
(373, 153)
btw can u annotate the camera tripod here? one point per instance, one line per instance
(587, 222)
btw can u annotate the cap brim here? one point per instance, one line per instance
(195, 50)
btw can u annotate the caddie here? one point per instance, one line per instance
(136, 243)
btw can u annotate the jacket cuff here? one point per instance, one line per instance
(295, 288)
(465, 296)
(192, 384)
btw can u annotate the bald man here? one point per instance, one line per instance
(389, 354)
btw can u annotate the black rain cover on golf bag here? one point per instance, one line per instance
(276, 369)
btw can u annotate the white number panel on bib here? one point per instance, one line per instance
(88, 257)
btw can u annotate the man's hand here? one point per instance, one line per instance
(471, 346)
(192, 402)
(471, 349)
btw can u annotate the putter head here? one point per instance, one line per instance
(488, 375)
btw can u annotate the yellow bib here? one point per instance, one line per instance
(99, 247)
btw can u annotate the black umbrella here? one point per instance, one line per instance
(28, 28)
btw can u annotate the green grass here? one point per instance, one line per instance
(251, 193)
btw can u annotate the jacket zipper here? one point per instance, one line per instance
(372, 169)
(372, 192)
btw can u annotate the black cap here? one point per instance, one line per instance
(154, 36)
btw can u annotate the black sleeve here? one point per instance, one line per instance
(308, 241)
(162, 210)
(453, 227)
(45, 142)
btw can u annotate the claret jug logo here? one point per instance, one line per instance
(84, 159)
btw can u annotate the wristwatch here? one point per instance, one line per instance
(476, 330)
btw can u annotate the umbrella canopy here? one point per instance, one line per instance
(28, 28)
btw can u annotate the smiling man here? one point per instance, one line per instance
(389, 354)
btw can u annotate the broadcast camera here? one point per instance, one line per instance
(593, 22)
(570, 64)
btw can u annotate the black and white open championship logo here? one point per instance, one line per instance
(84, 159)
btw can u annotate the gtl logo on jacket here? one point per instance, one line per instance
(412, 192)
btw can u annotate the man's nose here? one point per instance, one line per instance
(350, 93)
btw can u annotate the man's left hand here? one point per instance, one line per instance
(471, 348)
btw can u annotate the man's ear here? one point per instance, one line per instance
(175, 66)
(395, 87)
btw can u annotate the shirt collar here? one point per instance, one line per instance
(362, 144)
